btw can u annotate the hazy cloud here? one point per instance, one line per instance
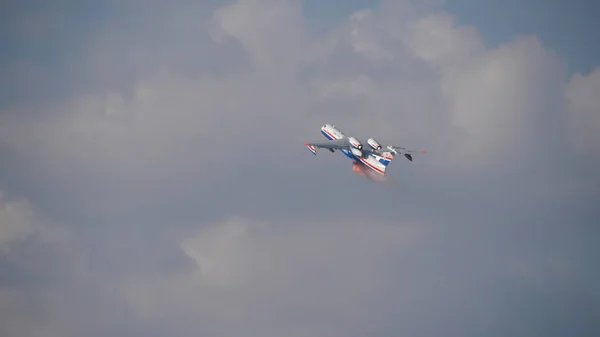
(584, 104)
(276, 280)
(16, 222)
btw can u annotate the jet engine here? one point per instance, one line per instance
(355, 143)
(373, 144)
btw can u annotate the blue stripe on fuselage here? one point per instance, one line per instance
(350, 155)
(385, 162)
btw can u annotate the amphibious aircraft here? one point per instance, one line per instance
(365, 160)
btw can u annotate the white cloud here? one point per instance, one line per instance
(442, 89)
(23, 234)
(364, 43)
(583, 98)
(359, 86)
(439, 40)
(499, 98)
(219, 128)
(265, 277)
(17, 222)
(271, 31)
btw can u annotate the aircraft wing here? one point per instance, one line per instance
(401, 150)
(338, 144)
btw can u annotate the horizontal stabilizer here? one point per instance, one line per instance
(408, 154)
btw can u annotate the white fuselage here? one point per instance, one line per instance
(368, 159)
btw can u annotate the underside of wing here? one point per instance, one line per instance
(331, 145)
(401, 150)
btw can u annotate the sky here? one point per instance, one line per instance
(153, 180)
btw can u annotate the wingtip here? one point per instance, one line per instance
(311, 148)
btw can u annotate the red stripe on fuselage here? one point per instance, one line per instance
(376, 169)
(330, 134)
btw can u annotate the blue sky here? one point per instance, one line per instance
(568, 27)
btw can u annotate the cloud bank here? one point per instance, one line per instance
(165, 190)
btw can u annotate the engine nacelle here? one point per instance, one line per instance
(373, 144)
(355, 143)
